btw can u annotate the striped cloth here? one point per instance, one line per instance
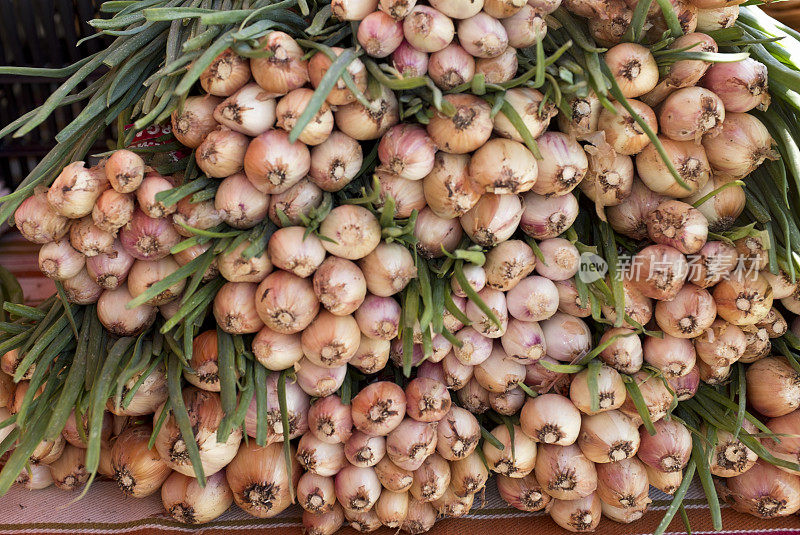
(105, 510)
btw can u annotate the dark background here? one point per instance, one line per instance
(39, 33)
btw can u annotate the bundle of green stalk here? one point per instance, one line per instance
(372, 257)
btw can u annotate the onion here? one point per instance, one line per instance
(657, 397)
(407, 194)
(551, 419)
(226, 74)
(146, 238)
(730, 457)
(205, 411)
(118, 319)
(125, 169)
(297, 403)
(202, 215)
(87, 238)
(137, 468)
(191, 123)
(622, 132)
(763, 491)
(678, 225)
(623, 484)
(379, 34)
(239, 203)
(630, 217)
(773, 386)
(714, 261)
(499, 69)
(658, 271)
(563, 166)
(685, 11)
(517, 463)
(276, 351)
(669, 449)
(407, 151)
(547, 217)
(112, 210)
(610, 391)
(674, 357)
(378, 317)
(431, 479)
(434, 233)
(624, 353)
(609, 179)
(363, 123)
(82, 289)
(259, 480)
(690, 313)
(468, 475)
(458, 9)
(318, 381)
(59, 261)
(250, 110)
(583, 117)
(428, 29)
(718, 18)
(569, 301)
(354, 229)
(285, 69)
(493, 219)
(564, 473)
(567, 338)
(633, 67)
(273, 164)
(144, 274)
(291, 107)
(459, 377)
(608, 437)
(235, 308)
(330, 340)
(741, 147)
(340, 94)
(291, 250)
(38, 222)
(388, 269)
(406, 59)
(741, 86)
(186, 501)
(450, 67)
(689, 159)
(298, 200)
(410, 443)
(525, 27)
(743, 299)
(503, 166)
(285, 303)
(467, 130)
(353, 10)
(685, 72)
(75, 191)
(482, 35)
(690, 113)
(221, 153)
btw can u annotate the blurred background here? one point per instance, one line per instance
(38, 33)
